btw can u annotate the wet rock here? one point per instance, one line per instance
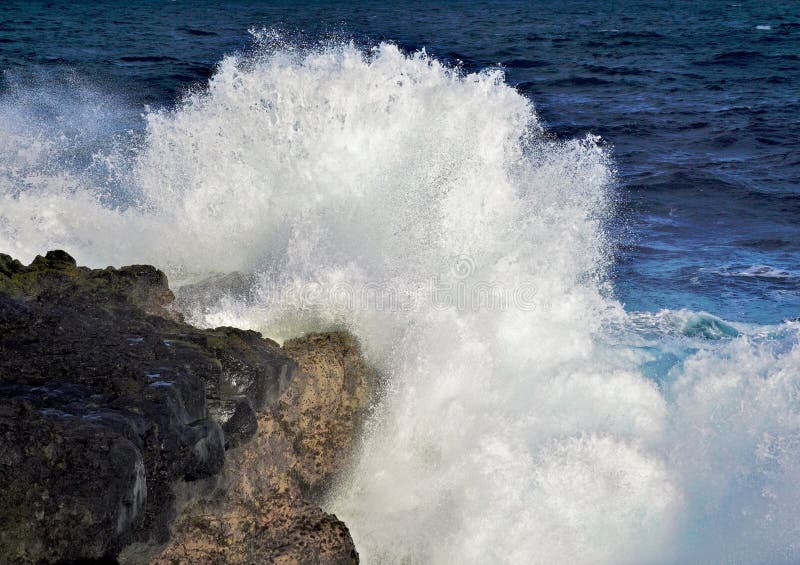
(279, 529)
(325, 412)
(69, 489)
(242, 425)
(245, 371)
(272, 482)
(115, 418)
(210, 294)
(56, 276)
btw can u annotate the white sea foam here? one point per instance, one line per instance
(523, 430)
(764, 271)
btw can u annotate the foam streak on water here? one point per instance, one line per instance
(554, 428)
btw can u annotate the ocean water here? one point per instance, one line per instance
(567, 234)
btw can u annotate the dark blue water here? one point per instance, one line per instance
(700, 103)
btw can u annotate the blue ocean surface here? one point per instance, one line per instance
(625, 175)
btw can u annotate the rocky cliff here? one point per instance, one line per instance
(126, 434)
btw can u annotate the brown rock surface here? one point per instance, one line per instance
(276, 529)
(271, 483)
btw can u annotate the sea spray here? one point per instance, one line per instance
(526, 417)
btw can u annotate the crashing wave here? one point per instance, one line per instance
(526, 416)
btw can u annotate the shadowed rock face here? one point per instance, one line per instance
(272, 483)
(110, 405)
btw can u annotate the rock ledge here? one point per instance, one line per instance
(128, 435)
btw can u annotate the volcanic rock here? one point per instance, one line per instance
(115, 418)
